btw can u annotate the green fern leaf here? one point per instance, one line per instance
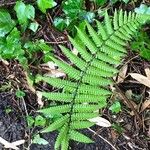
(108, 24)
(82, 50)
(57, 124)
(55, 109)
(102, 31)
(98, 41)
(115, 20)
(65, 143)
(121, 22)
(85, 91)
(74, 135)
(85, 108)
(81, 124)
(63, 132)
(72, 72)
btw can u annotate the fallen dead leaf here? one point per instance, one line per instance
(55, 73)
(100, 121)
(147, 72)
(39, 99)
(122, 74)
(74, 51)
(140, 78)
(12, 145)
(129, 94)
(52, 70)
(29, 82)
(51, 65)
(145, 105)
(5, 62)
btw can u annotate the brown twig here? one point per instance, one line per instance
(128, 102)
(103, 139)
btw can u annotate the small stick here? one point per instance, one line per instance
(102, 138)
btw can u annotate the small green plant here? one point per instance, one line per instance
(37, 121)
(12, 45)
(141, 45)
(38, 140)
(73, 12)
(45, 4)
(115, 107)
(118, 127)
(85, 90)
(20, 94)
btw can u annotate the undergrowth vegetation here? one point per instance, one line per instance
(100, 38)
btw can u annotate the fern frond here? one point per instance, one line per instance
(98, 41)
(74, 135)
(82, 50)
(81, 124)
(115, 20)
(65, 143)
(94, 80)
(55, 109)
(56, 82)
(93, 90)
(108, 24)
(86, 40)
(63, 132)
(72, 72)
(102, 31)
(76, 60)
(121, 22)
(57, 124)
(85, 108)
(85, 91)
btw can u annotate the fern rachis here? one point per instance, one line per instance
(85, 90)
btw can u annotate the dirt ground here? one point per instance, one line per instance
(13, 124)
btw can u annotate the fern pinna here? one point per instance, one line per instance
(85, 90)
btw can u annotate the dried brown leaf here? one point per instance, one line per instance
(145, 105)
(122, 74)
(100, 121)
(140, 78)
(147, 71)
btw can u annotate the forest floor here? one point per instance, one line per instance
(132, 123)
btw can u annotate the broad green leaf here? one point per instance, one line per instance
(11, 47)
(60, 23)
(30, 121)
(72, 8)
(24, 13)
(45, 4)
(118, 127)
(38, 140)
(89, 16)
(6, 23)
(44, 47)
(20, 93)
(34, 26)
(40, 121)
(116, 107)
(143, 9)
